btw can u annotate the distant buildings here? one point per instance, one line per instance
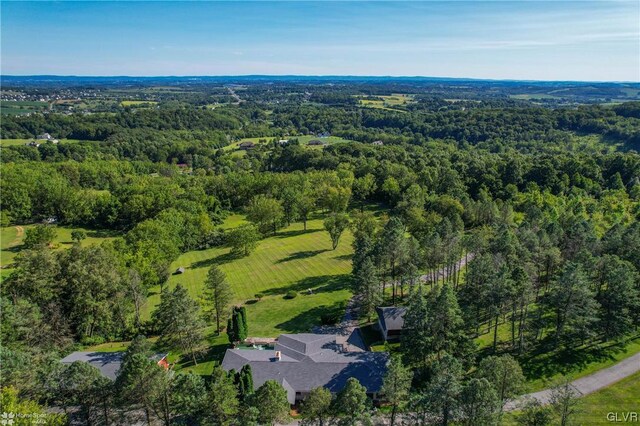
(302, 362)
(46, 137)
(391, 321)
(315, 142)
(246, 145)
(377, 143)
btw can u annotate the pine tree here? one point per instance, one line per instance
(246, 382)
(367, 289)
(396, 385)
(178, 321)
(218, 294)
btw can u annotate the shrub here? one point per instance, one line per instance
(291, 294)
(258, 295)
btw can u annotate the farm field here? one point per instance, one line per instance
(304, 140)
(137, 102)
(22, 107)
(293, 259)
(387, 101)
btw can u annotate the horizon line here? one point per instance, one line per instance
(322, 76)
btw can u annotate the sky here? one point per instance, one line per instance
(532, 40)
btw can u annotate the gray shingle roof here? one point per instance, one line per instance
(107, 362)
(391, 317)
(309, 361)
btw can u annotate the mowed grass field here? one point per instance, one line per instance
(304, 140)
(388, 101)
(11, 238)
(293, 259)
(138, 102)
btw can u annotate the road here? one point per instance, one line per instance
(444, 273)
(587, 384)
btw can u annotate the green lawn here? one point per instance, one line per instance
(294, 259)
(621, 397)
(11, 238)
(540, 369)
(137, 103)
(304, 140)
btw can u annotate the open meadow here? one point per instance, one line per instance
(293, 259)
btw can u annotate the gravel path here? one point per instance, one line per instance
(588, 384)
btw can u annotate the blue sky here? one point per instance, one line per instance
(539, 40)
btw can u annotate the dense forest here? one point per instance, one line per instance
(541, 199)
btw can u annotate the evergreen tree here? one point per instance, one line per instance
(479, 403)
(444, 388)
(352, 403)
(574, 306)
(315, 409)
(271, 401)
(245, 382)
(504, 374)
(218, 294)
(178, 321)
(619, 296)
(223, 403)
(396, 385)
(367, 289)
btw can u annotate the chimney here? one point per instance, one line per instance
(278, 355)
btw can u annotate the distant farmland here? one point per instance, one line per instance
(22, 107)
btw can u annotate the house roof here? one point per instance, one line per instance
(247, 143)
(308, 361)
(107, 362)
(391, 317)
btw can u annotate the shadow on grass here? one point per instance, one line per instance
(302, 255)
(304, 321)
(287, 234)
(213, 354)
(344, 257)
(545, 363)
(103, 233)
(218, 260)
(319, 284)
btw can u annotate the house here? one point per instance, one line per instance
(283, 141)
(391, 321)
(377, 143)
(302, 362)
(246, 145)
(44, 137)
(109, 362)
(315, 142)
